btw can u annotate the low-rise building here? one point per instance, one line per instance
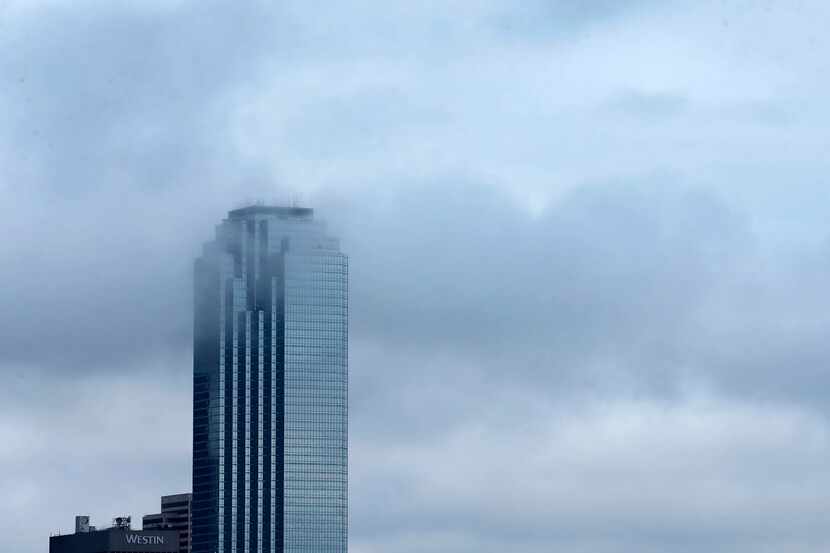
(175, 515)
(118, 539)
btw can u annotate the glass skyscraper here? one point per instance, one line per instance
(270, 397)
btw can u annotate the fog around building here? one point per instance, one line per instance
(588, 249)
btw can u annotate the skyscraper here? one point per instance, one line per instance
(270, 386)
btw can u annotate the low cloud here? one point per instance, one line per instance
(619, 476)
(585, 312)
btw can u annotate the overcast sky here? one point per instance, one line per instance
(588, 244)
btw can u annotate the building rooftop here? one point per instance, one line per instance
(281, 211)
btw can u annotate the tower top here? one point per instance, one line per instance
(280, 211)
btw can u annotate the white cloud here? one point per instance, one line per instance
(635, 472)
(515, 382)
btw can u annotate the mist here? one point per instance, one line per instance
(588, 250)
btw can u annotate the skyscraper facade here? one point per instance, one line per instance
(270, 395)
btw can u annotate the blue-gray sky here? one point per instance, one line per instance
(588, 240)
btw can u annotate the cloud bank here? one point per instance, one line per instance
(588, 248)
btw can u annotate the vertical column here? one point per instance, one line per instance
(235, 507)
(229, 407)
(247, 461)
(273, 415)
(206, 330)
(220, 511)
(239, 469)
(259, 456)
(254, 430)
(264, 303)
(265, 411)
(279, 402)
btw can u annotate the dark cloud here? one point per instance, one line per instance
(609, 271)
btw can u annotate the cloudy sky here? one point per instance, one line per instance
(588, 240)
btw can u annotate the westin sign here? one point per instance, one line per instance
(153, 541)
(144, 540)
